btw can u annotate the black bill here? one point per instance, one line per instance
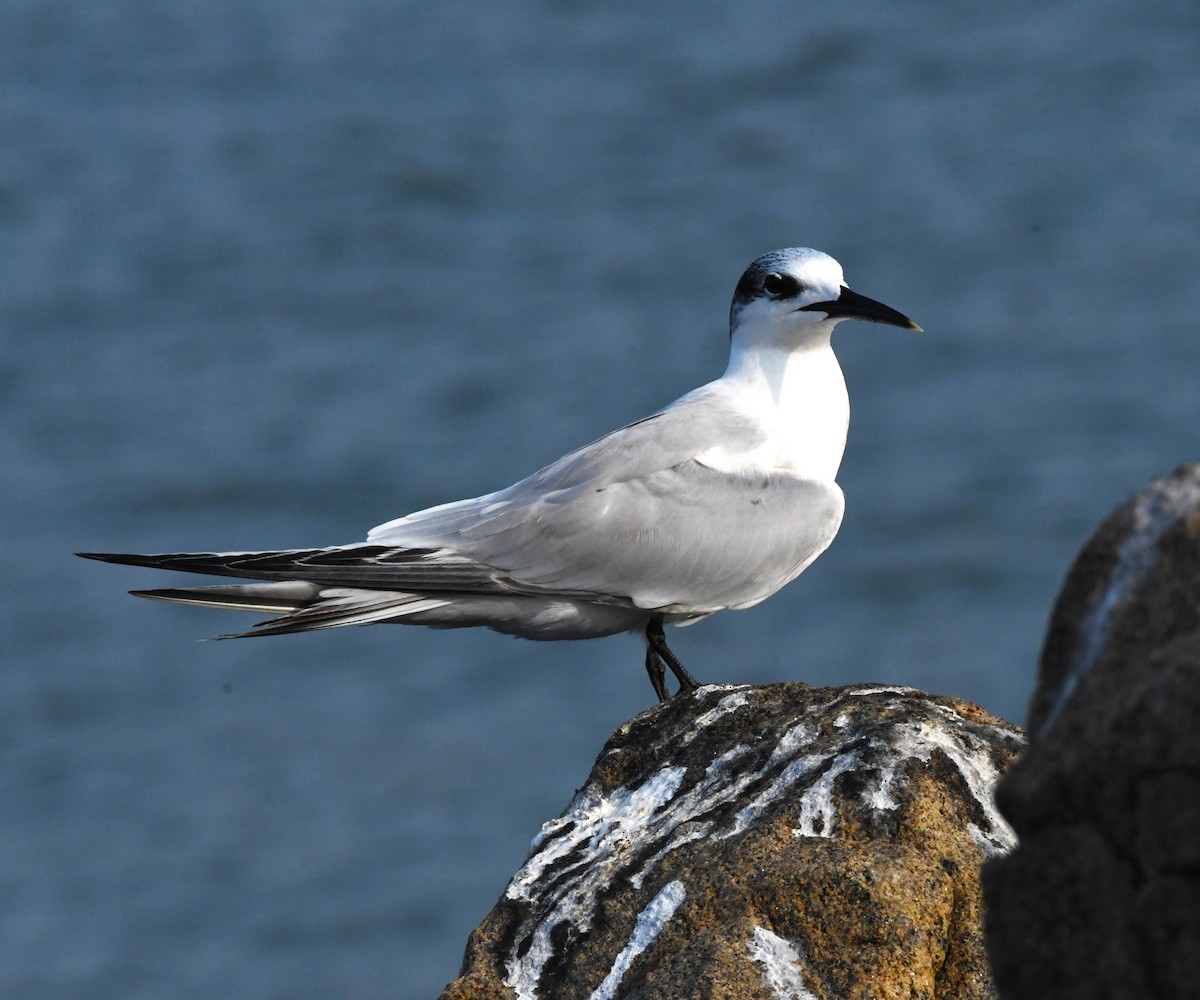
(851, 305)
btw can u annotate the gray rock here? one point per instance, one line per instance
(774, 842)
(1103, 897)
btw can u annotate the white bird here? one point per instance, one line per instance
(713, 502)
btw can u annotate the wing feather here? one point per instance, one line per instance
(632, 519)
(635, 516)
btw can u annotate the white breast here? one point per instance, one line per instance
(798, 401)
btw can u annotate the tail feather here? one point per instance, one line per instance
(335, 612)
(270, 598)
(301, 607)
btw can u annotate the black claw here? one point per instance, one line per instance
(658, 653)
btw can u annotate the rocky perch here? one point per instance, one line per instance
(1102, 900)
(773, 842)
(794, 843)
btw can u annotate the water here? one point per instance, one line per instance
(276, 272)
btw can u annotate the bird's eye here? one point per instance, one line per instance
(776, 284)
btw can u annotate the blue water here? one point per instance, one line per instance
(272, 273)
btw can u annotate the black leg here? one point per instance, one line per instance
(657, 649)
(654, 667)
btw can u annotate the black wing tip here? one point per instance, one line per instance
(124, 558)
(109, 557)
(236, 635)
(159, 594)
(268, 627)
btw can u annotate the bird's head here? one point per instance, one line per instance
(787, 297)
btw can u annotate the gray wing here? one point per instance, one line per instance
(632, 519)
(634, 516)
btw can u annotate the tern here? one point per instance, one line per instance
(714, 502)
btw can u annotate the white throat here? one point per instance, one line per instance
(797, 398)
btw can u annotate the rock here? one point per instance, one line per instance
(1102, 899)
(773, 842)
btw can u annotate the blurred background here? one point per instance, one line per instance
(274, 272)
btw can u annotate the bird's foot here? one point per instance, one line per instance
(659, 653)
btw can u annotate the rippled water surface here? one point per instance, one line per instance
(276, 272)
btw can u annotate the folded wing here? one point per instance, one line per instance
(631, 521)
